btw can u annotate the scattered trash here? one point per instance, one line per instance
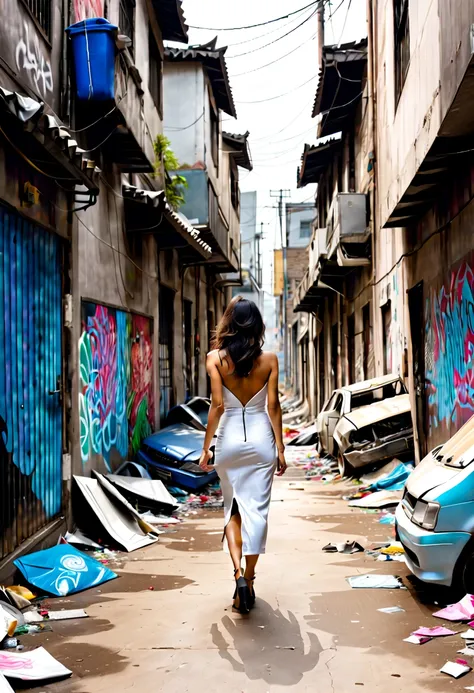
(436, 632)
(9, 643)
(62, 570)
(469, 651)
(394, 548)
(388, 582)
(395, 480)
(391, 610)
(148, 494)
(35, 616)
(461, 611)
(349, 547)
(387, 519)
(379, 499)
(34, 665)
(468, 634)
(80, 539)
(122, 523)
(160, 519)
(417, 639)
(8, 623)
(456, 669)
(4, 685)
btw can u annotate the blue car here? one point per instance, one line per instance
(172, 454)
(435, 520)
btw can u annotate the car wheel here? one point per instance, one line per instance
(345, 469)
(463, 574)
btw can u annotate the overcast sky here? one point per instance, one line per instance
(278, 127)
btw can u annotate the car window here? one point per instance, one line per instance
(330, 404)
(362, 399)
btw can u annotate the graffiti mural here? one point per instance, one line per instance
(449, 349)
(86, 9)
(30, 58)
(116, 407)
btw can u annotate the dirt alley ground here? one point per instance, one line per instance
(309, 631)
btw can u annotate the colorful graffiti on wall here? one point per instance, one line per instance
(116, 405)
(449, 349)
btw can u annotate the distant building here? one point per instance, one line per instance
(250, 240)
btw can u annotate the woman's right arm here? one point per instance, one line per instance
(274, 413)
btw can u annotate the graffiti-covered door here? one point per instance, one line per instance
(30, 379)
(417, 323)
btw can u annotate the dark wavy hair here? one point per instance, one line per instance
(241, 332)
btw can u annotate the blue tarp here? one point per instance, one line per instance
(395, 480)
(63, 570)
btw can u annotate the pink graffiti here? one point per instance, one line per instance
(86, 9)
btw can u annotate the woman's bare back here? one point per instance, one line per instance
(247, 387)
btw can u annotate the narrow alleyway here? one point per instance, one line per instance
(310, 632)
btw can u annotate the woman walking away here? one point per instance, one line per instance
(245, 411)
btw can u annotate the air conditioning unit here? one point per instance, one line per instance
(348, 231)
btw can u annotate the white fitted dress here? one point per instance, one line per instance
(246, 459)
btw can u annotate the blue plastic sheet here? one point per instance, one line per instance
(63, 570)
(395, 480)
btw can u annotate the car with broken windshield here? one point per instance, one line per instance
(435, 519)
(374, 434)
(347, 399)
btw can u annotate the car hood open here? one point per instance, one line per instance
(378, 411)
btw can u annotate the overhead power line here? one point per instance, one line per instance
(261, 67)
(270, 43)
(254, 26)
(279, 96)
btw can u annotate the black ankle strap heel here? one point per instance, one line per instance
(242, 595)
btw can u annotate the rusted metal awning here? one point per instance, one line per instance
(38, 135)
(341, 81)
(315, 160)
(241, 150)
(149, 211)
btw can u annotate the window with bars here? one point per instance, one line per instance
(155, 73)
(401, 22)
(41, 11)
(127, 21)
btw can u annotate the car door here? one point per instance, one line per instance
(328, 420)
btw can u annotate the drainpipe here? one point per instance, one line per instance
(320, 33)
(371, 83)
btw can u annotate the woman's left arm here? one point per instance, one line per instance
(215, 412)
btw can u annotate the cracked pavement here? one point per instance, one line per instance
(309, 631)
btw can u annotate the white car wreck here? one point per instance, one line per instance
(373, 434)
(366, 423)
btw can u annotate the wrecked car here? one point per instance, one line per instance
(373, 434)
(346, 399)
(435, 519)
(172, 455)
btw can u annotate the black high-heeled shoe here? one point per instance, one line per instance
(242, 596)
(253, 596)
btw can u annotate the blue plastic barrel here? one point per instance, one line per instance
(93, 49)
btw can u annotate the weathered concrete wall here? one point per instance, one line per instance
(184, 94)
(415, 120)
(115, 303)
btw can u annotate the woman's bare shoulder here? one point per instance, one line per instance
(269, 358)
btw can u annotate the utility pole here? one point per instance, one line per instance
(280, 195)
(320, 34)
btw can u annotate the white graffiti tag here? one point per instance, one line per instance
(30, 58)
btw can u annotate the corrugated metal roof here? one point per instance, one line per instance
(340, 84)
(157, 199)
(242, 150)
(171, 20)
(315, 160)
(213, 60)
(51, 133)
